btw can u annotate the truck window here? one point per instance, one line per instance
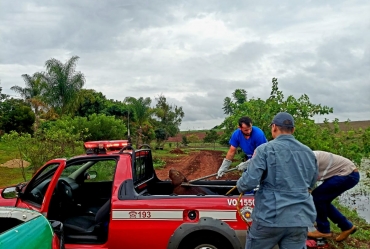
(143, 168)
(104, 169)
(38, 185)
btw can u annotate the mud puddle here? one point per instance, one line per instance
(358, 198)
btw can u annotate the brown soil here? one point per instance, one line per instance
(196, 164)
(15, 163)
(177, 151)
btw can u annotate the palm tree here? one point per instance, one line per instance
(64, 84)
(140, 107)
(33, 93)
(142, 112)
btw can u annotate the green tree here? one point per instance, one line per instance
(211, 137)
(33, 93)
(118, 109)
(94, 127)
(2, 95)
(63, 85)
(262, 111)
(160, 135)
(45, 144)
(143, 130)
(140, 108)
(351, 143)
(16, 115)
(193, 138)
(167, 117)
(91, 102)
(239, 97)
(185, 141)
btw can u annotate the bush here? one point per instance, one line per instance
(45, 145)
(158, 163)
(94, 127)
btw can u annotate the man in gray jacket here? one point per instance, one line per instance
(285, 171)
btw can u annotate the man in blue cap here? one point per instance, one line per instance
(285, 171)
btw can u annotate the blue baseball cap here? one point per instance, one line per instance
(283, 119)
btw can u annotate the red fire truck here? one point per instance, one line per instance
(110, 197)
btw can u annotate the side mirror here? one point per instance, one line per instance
(91, 175)
(9, 193)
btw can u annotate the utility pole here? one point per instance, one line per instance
(128, 128)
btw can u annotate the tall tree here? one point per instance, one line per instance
(262, 111)
(211, 137)
(2, 95)
(142, 111)
(33, 93)
(91, 102)
(167, 117)
(239, 97)
(140, 107)
(63, 85)
(16, 115)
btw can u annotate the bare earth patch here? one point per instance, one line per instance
(196, 164)
(15, 163)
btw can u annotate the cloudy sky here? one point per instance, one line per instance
(196, 53)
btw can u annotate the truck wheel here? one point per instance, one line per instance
(205, 242)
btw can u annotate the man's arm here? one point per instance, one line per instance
(316, 175)
(231, 153)
(251, 178)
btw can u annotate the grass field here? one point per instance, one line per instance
(6, 153)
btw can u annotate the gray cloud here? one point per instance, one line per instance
(197, 53)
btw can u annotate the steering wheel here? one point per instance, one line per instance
(65, 190)
(244, 212)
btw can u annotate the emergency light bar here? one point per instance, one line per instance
(101, 147)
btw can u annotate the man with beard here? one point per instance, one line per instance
(248, 138)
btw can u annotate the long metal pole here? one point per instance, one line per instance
(204, 177)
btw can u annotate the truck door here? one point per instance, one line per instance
(38, 192)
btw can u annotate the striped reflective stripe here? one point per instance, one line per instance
(217, 214)
(153, 214)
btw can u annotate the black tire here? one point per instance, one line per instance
(205, 242)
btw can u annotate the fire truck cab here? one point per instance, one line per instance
(110, 197)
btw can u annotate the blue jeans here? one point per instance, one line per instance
(262, 237)
(324, 194)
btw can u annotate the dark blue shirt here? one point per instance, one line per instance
(248, 145)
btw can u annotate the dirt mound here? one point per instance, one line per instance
(195, 165)
(15, 163)
(177, 151)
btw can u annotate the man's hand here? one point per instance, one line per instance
(242, 166)
(224, 166)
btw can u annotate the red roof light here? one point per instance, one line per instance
(111, 145)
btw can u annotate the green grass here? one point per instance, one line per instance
(6, 153)
(12, 176)
(158, 163)
(358, 240)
